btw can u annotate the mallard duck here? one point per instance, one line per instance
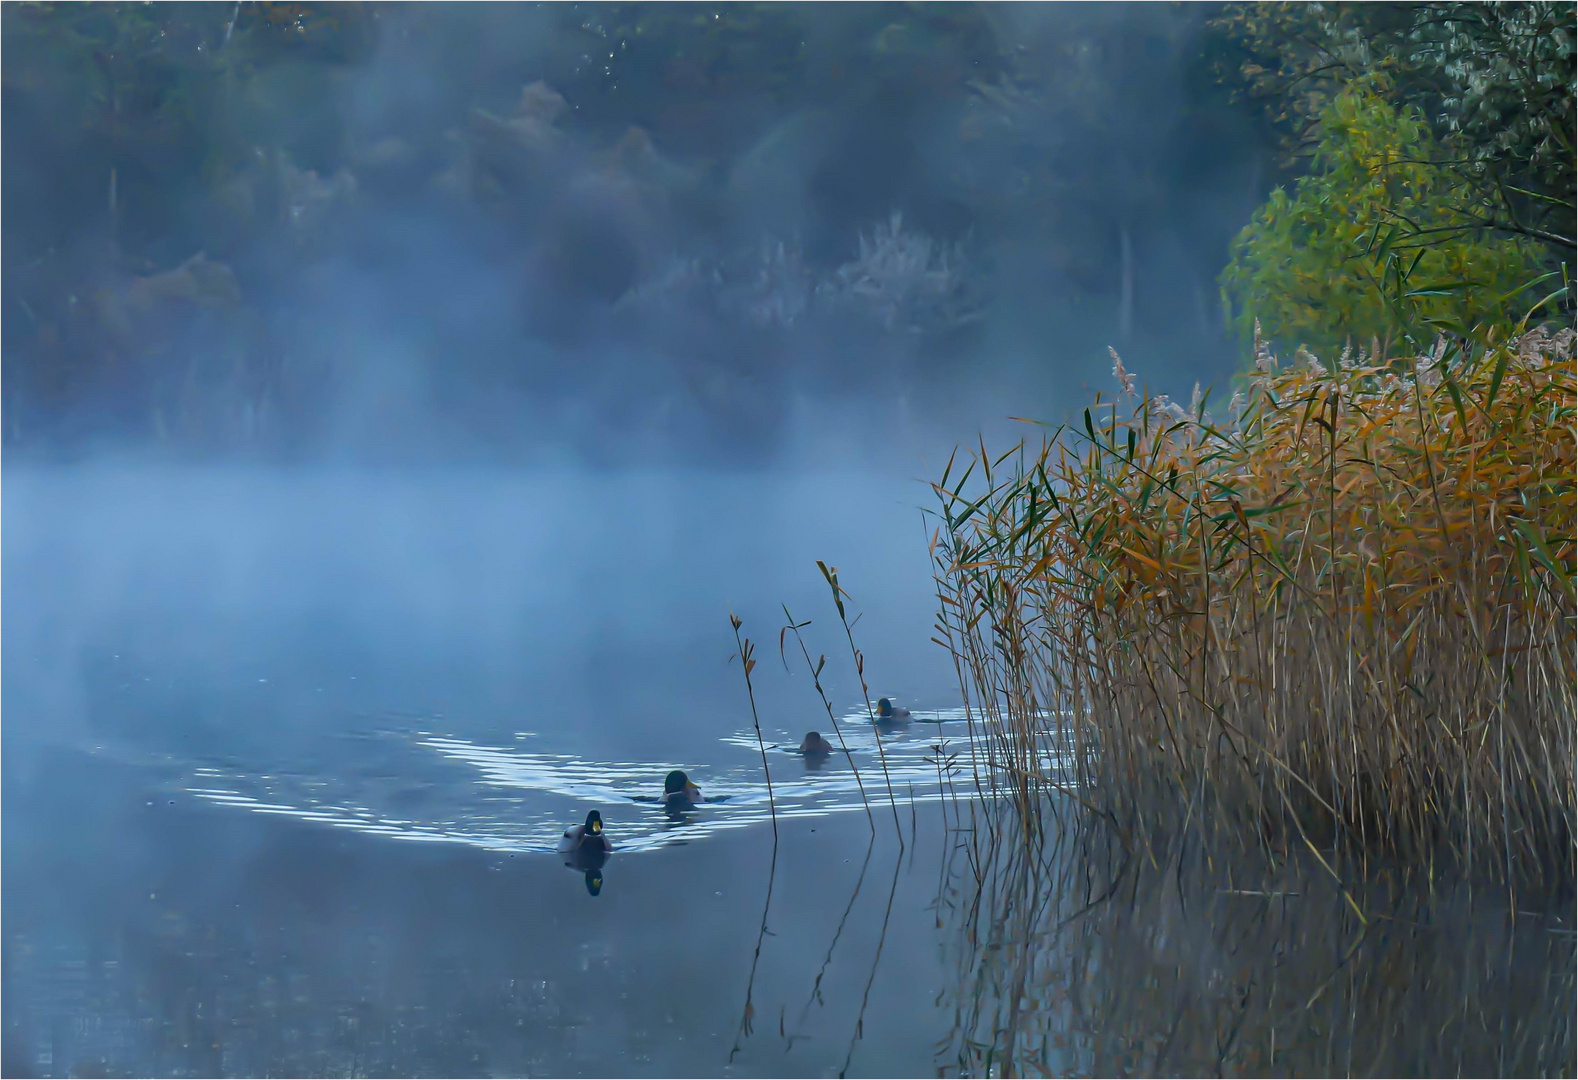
(890, 713)
(815, 744)
(679, 792)
(586, 838)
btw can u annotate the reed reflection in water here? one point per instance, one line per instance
(1076, 958)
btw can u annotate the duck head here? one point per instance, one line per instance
(677, 787)
(884, 708)
(815, 744)
(594, 823)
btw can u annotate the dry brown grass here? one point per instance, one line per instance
(1342, 617)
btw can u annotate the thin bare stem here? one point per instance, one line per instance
(816, 681)
(747, 656)
(831, 575)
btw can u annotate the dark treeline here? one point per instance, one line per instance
(302, 228)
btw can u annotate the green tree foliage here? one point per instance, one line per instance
(1495, 81)
(1508, 99)
(1337, 259)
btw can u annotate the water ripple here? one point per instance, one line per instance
(510, 799)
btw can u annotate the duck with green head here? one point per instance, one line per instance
(678, 791)
(889, 713)
(586, 838)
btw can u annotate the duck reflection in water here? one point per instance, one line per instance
(590, 862)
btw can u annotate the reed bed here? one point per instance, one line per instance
(1341, 617)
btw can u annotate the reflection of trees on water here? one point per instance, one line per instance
(1074, 958)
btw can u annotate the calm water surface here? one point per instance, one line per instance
(286, 757)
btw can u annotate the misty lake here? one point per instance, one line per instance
(286, 756)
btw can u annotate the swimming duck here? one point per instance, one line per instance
(678, 792)
(587, 837)
(891, 713)
(815, 744)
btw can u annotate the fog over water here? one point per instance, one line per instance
(230, 692)
(398, 401)
(593, 604)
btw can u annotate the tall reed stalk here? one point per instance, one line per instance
(747, 654)
(827, 706)
(830, 574)
(1342, 616)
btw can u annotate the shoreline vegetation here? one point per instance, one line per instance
(1337, 619)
